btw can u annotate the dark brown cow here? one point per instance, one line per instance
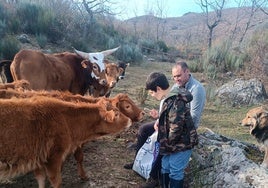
(38, 133)
(121, 101)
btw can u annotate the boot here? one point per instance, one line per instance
(165, 180)
(176, 183)
(128, 166)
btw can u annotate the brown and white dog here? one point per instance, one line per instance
(257, 120)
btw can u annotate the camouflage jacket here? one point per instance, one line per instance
(176, 131)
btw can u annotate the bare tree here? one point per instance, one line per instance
(98, 7)
(254, 7)
(160, 24)
(212, 18)
(263, 6)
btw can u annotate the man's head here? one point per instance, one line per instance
(181, 73)
(157, 84)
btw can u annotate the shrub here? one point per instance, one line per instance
(9, 47)
(221, 59)
(162, 46)
(256, 49)
(29, 15)
(129, 53)
(41, 40)
(141, 95)
(147, 46)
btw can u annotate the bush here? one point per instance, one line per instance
(41, 40)
(221, 59)
(162, 46)
(141, 95)
(9, 47)
(29, 15)
(129, 53)
(257, 48)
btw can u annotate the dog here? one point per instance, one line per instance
(257, 120)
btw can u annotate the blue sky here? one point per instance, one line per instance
(172, 8)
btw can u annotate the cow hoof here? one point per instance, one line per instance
(85, 178)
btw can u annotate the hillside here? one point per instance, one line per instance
(191, 29)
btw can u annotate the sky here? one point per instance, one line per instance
(172, 8)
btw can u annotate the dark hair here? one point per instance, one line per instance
(156, 79)
(182, 64)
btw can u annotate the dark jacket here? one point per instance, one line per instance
(176, 131)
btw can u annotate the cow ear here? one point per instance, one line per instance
(121, 70)
(86, 64)
(111, 115)
(115, 101)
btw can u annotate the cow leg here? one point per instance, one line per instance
(53, 169)
(40, 176)
(79, 157)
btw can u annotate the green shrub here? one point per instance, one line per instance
(147, 46)
(41, 40)
(222, 59)
(29, 15)
(129, 53)
(9, 47)
(162, 46)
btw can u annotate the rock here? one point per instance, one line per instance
(241, 92)
(222, 162)
(24, 38)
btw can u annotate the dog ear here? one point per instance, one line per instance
(263, 119)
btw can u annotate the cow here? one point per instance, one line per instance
(38, 133)
(122, 65)
(112, 73)
(59, 71)
(121, 101)
(19, 85)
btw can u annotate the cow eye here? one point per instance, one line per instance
(127, 106)
(95, 67)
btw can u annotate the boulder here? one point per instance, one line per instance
(241, 92)
(219, 161)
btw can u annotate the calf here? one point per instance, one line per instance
(38, 133)
(113, 73)
(121, 101)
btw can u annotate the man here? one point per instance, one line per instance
(182, 78)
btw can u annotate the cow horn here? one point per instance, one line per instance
(110, 51)
(82, 54)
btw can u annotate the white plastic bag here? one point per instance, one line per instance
(146, 156)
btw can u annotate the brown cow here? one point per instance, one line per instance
(113, 73)
(38, 133)
(19, 85)
(60, 71)
(121, 101)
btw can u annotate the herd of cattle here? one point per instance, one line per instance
(46, 116)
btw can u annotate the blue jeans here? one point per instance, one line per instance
(175, 163)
